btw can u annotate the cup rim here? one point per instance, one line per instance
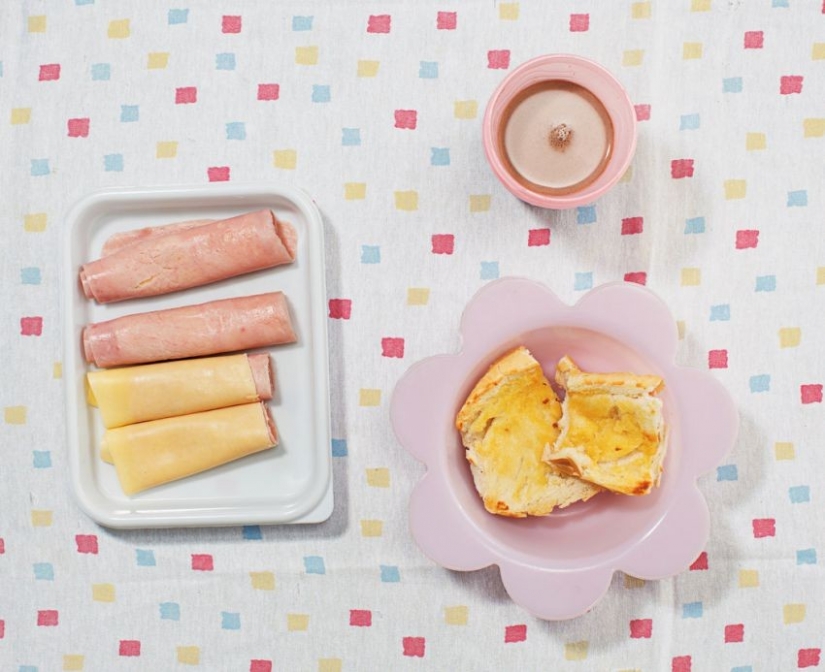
(593, 77)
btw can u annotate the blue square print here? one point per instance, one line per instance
(314, 564)
(113, 163)
(41, 459)
(339, 447)
(583, 281)
(799, 494)
(145, 558)
(230, 620)
(727, 472)
(439, 156)
(101, 72)
(40, 167)
(30, 275)
(170, 611)
(586, 214)
(489, 270)
(692, 610)
(806, 556)
(428, 70)
(695, 225)
(350, 137)
(252, 532)
(236, 130)
(43, 571)
(370, 254)
(720, 313)
(732, 85)
(129, 112)
(766, 283)
(390, 574)
(689, 122)
(300, 23)
(760, 383)
(225, 61)
(176, 16)
(797, 199)
(321, 93)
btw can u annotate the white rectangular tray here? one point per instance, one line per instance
(291, 483)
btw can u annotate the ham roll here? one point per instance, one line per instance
(186, 257)
(117, 241)
(133, 394)
(228, 325)
(152, 453)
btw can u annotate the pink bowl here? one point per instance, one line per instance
(600, 83)
(559, 566)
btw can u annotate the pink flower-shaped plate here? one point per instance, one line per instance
(559, 566)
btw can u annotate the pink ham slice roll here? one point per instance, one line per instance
(117, 241)
(228, 325)
(186, 257)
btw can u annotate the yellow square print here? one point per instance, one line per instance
(691, 50)
(789, 337)
(812, 127)
(465, 109)
(297, 622)
(640, 10)
(368, 397)
(691, 277)
(627, 175)
(21, 115)
(633, 57)
(793, 613)
(41, 518)
(14, 415)
(37, 24)
(575, 650)
(35, 222)
(157, 60)
(820, 275)
(355, 191)
(748, 578)
(73, 662)
(818, 51)
(458, 615)
(372, 528)
(285, 159)
(508, 11)
(755, 141)
(103, 592)
(306, 55)
(480, 202)
(418, 296)
(119, 29)
(166, 150)
(368, 68)
(700, 5)
(784, 450)
(57, 370)
(330, 665)
(735, 189)
(262, 580)
(680, 328)
(406, 200)
(633, 582)
(378, 478)
(189, 655)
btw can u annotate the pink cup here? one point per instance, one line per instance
(590, 76)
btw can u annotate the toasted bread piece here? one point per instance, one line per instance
(505, 423)
(612, 429)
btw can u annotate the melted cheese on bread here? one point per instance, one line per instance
(612, 429)
(506, 421)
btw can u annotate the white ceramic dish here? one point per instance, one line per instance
(291, 483)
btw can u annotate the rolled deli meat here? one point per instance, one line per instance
(118, 241)
(227, 325)
(132, 394)
(190, 257)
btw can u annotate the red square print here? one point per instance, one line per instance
(641, 628)
(47, 617)
(790, 84)
(2, 629)
(231, 24)
(446, 21)
(406, 119)
(764, 527)
(718, 359)
(811, 394)
(379, 23)
(639, 277)
(443, 243)
(632, 225)
(515, 633)
(538, 237)
(340, 309)
(579, 23)
(185, 95)
(202, 562)
(260, 665)
(680, 664)
(79, 128)
(734, 633)
(2, 546)
(49, 73)
(642, 112)
(754, 39)
(392, 347)
(498, 59)
(360, 617)
(218, 173)
(269, 91)
(129, 647)
(31, 326)
(701, 563)
(680, 168)
(808, 657)
(86, 543)
(747, 238)
(413, 646)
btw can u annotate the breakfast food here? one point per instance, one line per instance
(152, 453)
(505, 423)
(132, 394)
(612, 429)
(119, 240)
(227, 325)
(190, 257)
